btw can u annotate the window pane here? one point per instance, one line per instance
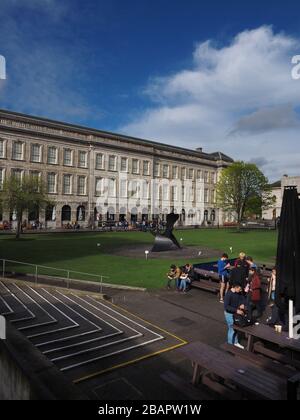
(99, 161)
(156, 169)
(112, 163)
(18, 151)
(35, 153)
(146, 168)
(2, 149)
(174, 172)
(99, 186)
(51, 182)
(81, 185)
(82, 159)
(124, 164)
(67, 184)
(165, 171)
(68, 157)
(52, 155)
(112, 187)
(135, 166)
(123, 188)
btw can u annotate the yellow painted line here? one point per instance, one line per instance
(149, 323)
(139, 359)
(130, 362)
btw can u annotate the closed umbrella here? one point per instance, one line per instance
(288, 251)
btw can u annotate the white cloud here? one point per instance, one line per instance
(239, 98)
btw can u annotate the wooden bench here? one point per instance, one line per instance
(184, 388)
(233, 373)
(260, 348)
(261, 361)
(208, 285)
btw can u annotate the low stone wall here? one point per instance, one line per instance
(25, 374)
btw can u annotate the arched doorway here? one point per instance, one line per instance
(34, 214)
(66, 214)
(206, 216)
(80, 214)
(50, 215)
(111, 213)
(213, 216)
(134, 215)
(145, 215)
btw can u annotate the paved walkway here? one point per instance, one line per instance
(192, 317)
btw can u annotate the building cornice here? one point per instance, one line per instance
(13, 121)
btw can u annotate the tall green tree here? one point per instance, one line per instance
(242, 186)
(18, 195)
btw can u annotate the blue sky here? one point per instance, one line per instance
(192, 73)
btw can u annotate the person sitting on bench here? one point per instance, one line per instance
(174, 274)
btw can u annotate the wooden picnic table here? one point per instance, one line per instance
(266, 333)
(246, 376)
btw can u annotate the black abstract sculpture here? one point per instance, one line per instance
(164, 239)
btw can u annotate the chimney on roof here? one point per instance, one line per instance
(199, 149)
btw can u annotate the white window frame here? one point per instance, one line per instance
(166, 171)
(71, 184)
(55, 183)
(146, 167)
(3, 154)
(112, 181)
(48, 155)
(33, 145)
(157, 169)
(99, 167)
(175, 172)
(99, 187)
(112, 159)
(123, 191)
(71, 157)
(79, 186)
(15, 143)
(126, 168)
(82, 164)
(138, 166)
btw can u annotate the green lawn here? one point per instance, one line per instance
(79, 252)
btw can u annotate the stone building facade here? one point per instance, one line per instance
(278, 190)
(94, 176)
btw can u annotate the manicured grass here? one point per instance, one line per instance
(79, 252)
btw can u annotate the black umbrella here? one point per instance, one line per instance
(288, 251)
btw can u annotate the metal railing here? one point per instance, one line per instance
(38, 268)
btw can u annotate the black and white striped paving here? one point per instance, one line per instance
(82, 335)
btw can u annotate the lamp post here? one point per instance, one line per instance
(147, 255)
